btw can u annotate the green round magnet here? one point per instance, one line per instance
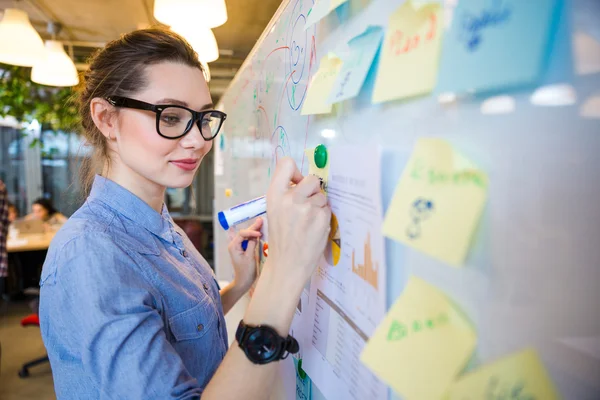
(321, 156)
(301, 371)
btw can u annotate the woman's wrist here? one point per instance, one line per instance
(274, 301)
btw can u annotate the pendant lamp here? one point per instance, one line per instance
(20, 44)
(208, 13)
(201, 39)
(57, 69)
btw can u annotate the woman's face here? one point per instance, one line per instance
(164, 162)
(12, 214)
(39, 212)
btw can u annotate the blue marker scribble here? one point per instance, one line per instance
(473, 24)
(420, 211)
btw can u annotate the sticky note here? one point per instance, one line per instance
(410, 54)
(496, 44)
(320, 86)
(421, 345)
(356, 64)
(321, 173)
(320, 10)
(438, 202)
(517, 376)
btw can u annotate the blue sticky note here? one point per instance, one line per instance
(496, 44)
(357, 62)
(558, 66)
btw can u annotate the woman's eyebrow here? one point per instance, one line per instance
(183, 103)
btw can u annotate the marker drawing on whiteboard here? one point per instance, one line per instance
(420, 210)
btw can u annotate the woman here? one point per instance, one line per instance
(43, 210)
(13, 213)
(129, 309)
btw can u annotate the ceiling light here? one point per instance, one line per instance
(207, 13)
(20, 44)
(201, 39)
(57, 69)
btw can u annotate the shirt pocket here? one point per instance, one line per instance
(194, 323)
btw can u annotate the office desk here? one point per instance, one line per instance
(30, 242)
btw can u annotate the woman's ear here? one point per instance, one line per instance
(103, 116)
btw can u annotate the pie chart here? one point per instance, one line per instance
(334, 243)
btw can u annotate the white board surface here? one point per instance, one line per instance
(532, 277)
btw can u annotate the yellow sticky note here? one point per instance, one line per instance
(320, 9)
(518, 376)
(410, 53)
(336, 3)
(438, 202)
(422, 344)
(321, 85)
(321, 173)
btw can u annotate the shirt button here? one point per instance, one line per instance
(184, 253)
(205, 287)
(200, 327)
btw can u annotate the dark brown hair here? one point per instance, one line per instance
(119, 70)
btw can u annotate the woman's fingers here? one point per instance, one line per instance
(248, 234)
(308, 187)
(318, 200)
(286, 172)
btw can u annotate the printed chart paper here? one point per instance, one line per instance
(422, 344)
(410, 54)
(438, 202)
(347, 297)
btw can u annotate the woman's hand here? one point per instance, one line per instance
(244, 262)
(299, 219)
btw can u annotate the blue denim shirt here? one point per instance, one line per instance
(129, 309)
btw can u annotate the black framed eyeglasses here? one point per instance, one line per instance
(173, 121)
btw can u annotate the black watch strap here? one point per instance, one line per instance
(248, 338)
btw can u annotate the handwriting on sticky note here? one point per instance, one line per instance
(438, 202)
(519, 376)
(357, 63)
(474, 24)
(409, 60)
(399, 331)
(432, 339)
(321, 85)
(494, 44)
(401, 43)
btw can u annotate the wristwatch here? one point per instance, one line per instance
(262, 344)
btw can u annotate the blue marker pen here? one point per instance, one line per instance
(243, 212)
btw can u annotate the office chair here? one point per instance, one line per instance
(31, 320)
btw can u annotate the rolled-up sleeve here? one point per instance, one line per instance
(109, 315)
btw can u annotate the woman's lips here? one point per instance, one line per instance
(188, 164)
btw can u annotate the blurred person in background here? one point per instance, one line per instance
(44, 210)
(3, 235)
(13, 213)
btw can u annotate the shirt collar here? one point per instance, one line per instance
(132, 207)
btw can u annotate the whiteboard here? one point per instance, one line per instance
(532, 277)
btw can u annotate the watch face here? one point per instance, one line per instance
(262, 345)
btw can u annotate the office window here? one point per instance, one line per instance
(12, 166)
